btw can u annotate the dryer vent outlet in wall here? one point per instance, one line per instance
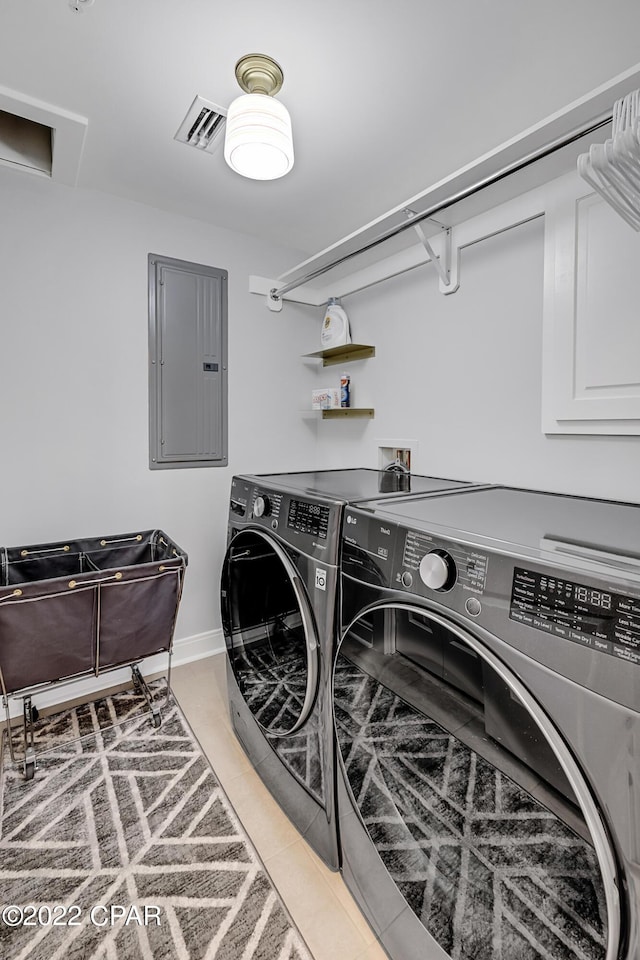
(203, 125)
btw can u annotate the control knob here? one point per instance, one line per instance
(438, 570)
(261, 506)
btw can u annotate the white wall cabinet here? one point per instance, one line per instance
(591, 331)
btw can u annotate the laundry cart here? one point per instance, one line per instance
(81, 608)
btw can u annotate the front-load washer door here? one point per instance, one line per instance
(270, 633)
(464, 819)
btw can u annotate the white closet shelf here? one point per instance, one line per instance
(387, 246)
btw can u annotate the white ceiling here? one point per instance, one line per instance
(386, 96)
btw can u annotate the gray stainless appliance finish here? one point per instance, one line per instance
(487, 711)
(351, 485)
(279, 609)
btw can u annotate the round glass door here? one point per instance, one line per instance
(478, 812)
(269, 632)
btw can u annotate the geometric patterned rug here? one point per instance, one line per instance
(491, 873)
(124, 846)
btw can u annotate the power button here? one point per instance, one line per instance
(473, 606)
(407, 579)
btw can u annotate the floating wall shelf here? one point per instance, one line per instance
(338, 412)
(347, 353)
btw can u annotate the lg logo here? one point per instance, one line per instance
(351, 519)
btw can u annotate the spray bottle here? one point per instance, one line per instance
(345, 390)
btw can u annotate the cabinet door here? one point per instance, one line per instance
(188, 364)
(591, 344)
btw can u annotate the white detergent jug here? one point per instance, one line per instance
(335, 326)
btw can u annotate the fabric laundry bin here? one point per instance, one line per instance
(82, 607)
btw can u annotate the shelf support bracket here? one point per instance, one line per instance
(447, 264)
(273, 301)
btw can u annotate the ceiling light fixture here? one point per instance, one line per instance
(258, 141)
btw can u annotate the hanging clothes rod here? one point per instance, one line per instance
(277, 292)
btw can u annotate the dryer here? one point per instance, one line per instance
(487, 713)
(279, 594)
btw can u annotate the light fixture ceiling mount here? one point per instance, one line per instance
(258, 139)
(257, 73)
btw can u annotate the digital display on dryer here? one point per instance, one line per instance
(605, 621)
(597, 598)
(311, 518)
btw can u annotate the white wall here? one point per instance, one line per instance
(73, 372)
(462, 375)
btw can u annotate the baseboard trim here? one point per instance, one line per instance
(185, 650)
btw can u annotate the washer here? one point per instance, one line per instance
(279, 611)
(487, 712)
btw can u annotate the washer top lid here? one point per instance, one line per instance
(361, 483)
(575, 530)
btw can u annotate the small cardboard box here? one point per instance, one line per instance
(325, 398)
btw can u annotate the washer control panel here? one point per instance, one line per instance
(310, 525)
(310, 518)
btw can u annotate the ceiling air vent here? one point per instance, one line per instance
(202, 126)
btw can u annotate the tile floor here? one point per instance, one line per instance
(317, 899)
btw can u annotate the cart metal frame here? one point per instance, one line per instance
(84, 608)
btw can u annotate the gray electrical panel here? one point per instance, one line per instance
(187, 364)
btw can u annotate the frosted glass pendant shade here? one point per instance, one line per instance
(258, 141)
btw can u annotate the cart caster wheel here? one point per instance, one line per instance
(156, 719)
(31, 713)
(29, 769)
